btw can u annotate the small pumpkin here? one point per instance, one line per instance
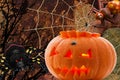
(77, 55)
(114, 6)
(99, 15)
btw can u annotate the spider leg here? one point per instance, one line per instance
(4, 69)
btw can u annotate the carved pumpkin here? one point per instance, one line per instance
(77, 55)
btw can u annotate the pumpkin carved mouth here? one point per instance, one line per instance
(74, 70)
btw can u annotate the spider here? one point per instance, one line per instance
(18, 58)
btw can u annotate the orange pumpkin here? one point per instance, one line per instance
(99, 15)
(114, 6)
(77, 55)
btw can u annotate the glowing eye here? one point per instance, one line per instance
(68, 54)
(85, 55)
(16, 61)
(88, 54)
(53, 52)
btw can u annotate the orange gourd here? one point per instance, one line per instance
(99, 15)
(75, 55)
(114, 6)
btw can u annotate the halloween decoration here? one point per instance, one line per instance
(108, 15)
(99, 15)
(114, 6)
(75, 55)
(17, 58)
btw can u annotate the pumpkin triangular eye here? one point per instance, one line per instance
(88, 54)
(53, 52)
(68, 54)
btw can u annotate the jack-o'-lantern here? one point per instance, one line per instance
(75, 55)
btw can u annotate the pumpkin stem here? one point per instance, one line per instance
(77, 34)
(63, 34)
(71, 33)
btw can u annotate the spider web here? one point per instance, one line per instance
(46, 18)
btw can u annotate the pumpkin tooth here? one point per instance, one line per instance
(73, 70)
(78, 72)
(83, 69)
(63, 71)
(58, 70)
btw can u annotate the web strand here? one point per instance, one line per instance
(51, 20)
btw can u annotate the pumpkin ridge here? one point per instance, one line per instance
(98, 61)
(104, 72)
(112, 58)
(77, 34)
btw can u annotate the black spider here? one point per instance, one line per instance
(17, 58)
